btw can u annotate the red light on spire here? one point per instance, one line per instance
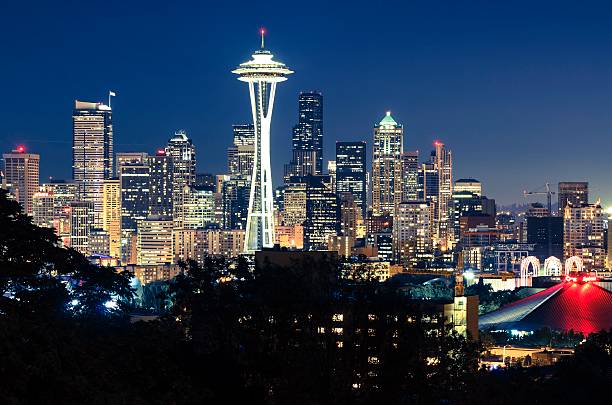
(21, 149)
(438, 143)
(161, 152)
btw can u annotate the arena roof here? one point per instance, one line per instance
(582, 307)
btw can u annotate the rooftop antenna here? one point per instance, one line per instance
(262, 32)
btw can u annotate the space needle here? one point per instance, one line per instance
(262, 74)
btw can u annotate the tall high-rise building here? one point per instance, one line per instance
(294, 204)
(411, 233)
(135, 190)
(111, 215)
(443, 161)
(235, 202)
(583, 234)
(81, 219)
(321, 210)
(546, 234)
(63, 194)
(262, 74)
(92, 152)
(351, 172)
(183, 154)
(199, 207)
(466, 203)
(241, 153)
(308, 137)
(21, 173)
(43, 211)
(352, 222)
(162, 178)
(386, 165)
(574, 192)
(410, 176)
(155, 242)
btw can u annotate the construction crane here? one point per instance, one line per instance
(548, 193)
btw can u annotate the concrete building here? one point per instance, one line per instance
(411, 233)
(198, 207)
(583, 234)
(290, 236)
(155, 241)
(43, 211)
(21, 174)
(81, 220)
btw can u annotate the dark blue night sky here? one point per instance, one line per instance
(520, 91)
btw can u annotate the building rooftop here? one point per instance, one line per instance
(563, 307)
(387, 120)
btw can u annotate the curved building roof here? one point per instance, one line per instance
(581, 307)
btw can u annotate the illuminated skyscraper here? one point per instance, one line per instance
(135, 191)
(321, 216)
(21, 172)
(182, 151)
(129, 158)
(63, 194)
(241, 153)
(411, 233)
(443, 162)
(471, 186)
(155, 241)
(262, 74)
(583, 234)
(410, 176)
(235, 202)
(161, 191)
(573, 192)
(308, 137)
(81, 218)
(386, 165)
(92, 152)
(199, 207)
(42, 209)
(351, 172)
(111, 215)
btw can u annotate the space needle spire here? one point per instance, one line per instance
(262, 73)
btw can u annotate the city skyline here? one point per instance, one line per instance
(530, 102)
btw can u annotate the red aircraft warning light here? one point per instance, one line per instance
(161, 152)
(20, 149)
